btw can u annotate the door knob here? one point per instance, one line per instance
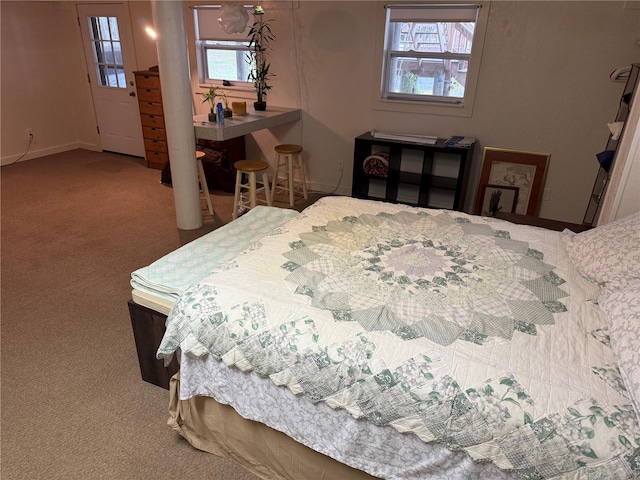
(132, 94)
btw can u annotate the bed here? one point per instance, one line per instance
(365, 339)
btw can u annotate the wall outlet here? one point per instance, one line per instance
(546, 194)
(340, 166)
(29, 132)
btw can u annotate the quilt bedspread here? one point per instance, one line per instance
(472, 332)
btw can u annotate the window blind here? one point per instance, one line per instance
(208, 27)
(433, 13)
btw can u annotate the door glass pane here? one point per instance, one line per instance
(117, 52)
(107, 51)
(102, 75)
(97, 48)
(113, 27)
(122, 81)
(104, 28)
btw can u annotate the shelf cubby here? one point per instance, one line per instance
(434, 176)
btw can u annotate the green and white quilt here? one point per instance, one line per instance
(467, 331)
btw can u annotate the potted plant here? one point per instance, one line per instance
(260, 37)
(227, 112)
(210, 96)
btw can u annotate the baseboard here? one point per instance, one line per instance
(320, 187)
(43, 152)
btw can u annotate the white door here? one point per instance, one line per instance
(108, 40)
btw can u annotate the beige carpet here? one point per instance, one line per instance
(74, 226)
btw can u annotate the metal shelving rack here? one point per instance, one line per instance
(603, 176)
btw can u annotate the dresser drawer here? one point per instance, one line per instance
(156, 159)
(152, 120)
(148, 95)
(155, 146)
(153, 133)
(148, 81)
(150, 108)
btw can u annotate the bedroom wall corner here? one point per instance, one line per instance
(42, 82)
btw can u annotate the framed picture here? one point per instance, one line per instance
(525, 171)
(499, 198)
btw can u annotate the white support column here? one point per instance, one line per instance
(178, 114)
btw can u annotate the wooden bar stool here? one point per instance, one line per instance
(204, 188)
(290, 157)
(251, 168)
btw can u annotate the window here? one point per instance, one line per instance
(221, 55)
(107, 53)
(430, 56)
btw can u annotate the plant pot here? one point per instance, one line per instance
(212, 116)
(260, 106)
(227, 113)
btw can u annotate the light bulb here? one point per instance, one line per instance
(151, 32)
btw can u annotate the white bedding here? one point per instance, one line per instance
(170, 276)
(379, 451)
(482, 332)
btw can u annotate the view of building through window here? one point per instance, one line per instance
(428, 59)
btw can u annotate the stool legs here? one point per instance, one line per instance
(204, 186)
(290, 178)
(303, 177)
(236, 196)
(253, 190)
(265, 183)
(287, 160)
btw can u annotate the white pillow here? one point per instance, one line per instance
(608, 254)
(623, 311)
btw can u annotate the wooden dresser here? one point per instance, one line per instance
(152, 117)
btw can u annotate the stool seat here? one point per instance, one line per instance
(250, 168)
(288, 149)
(289, 158)
(251, 165)
(204, 188)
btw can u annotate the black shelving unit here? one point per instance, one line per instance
(431, 176)
(604, 174)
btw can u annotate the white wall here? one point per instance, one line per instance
(44, 81)
(544, 87)
(543, 84)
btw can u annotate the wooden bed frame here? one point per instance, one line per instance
(148, 329)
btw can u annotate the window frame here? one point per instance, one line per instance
(203, 68)
(98, 42)
(451, 106)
